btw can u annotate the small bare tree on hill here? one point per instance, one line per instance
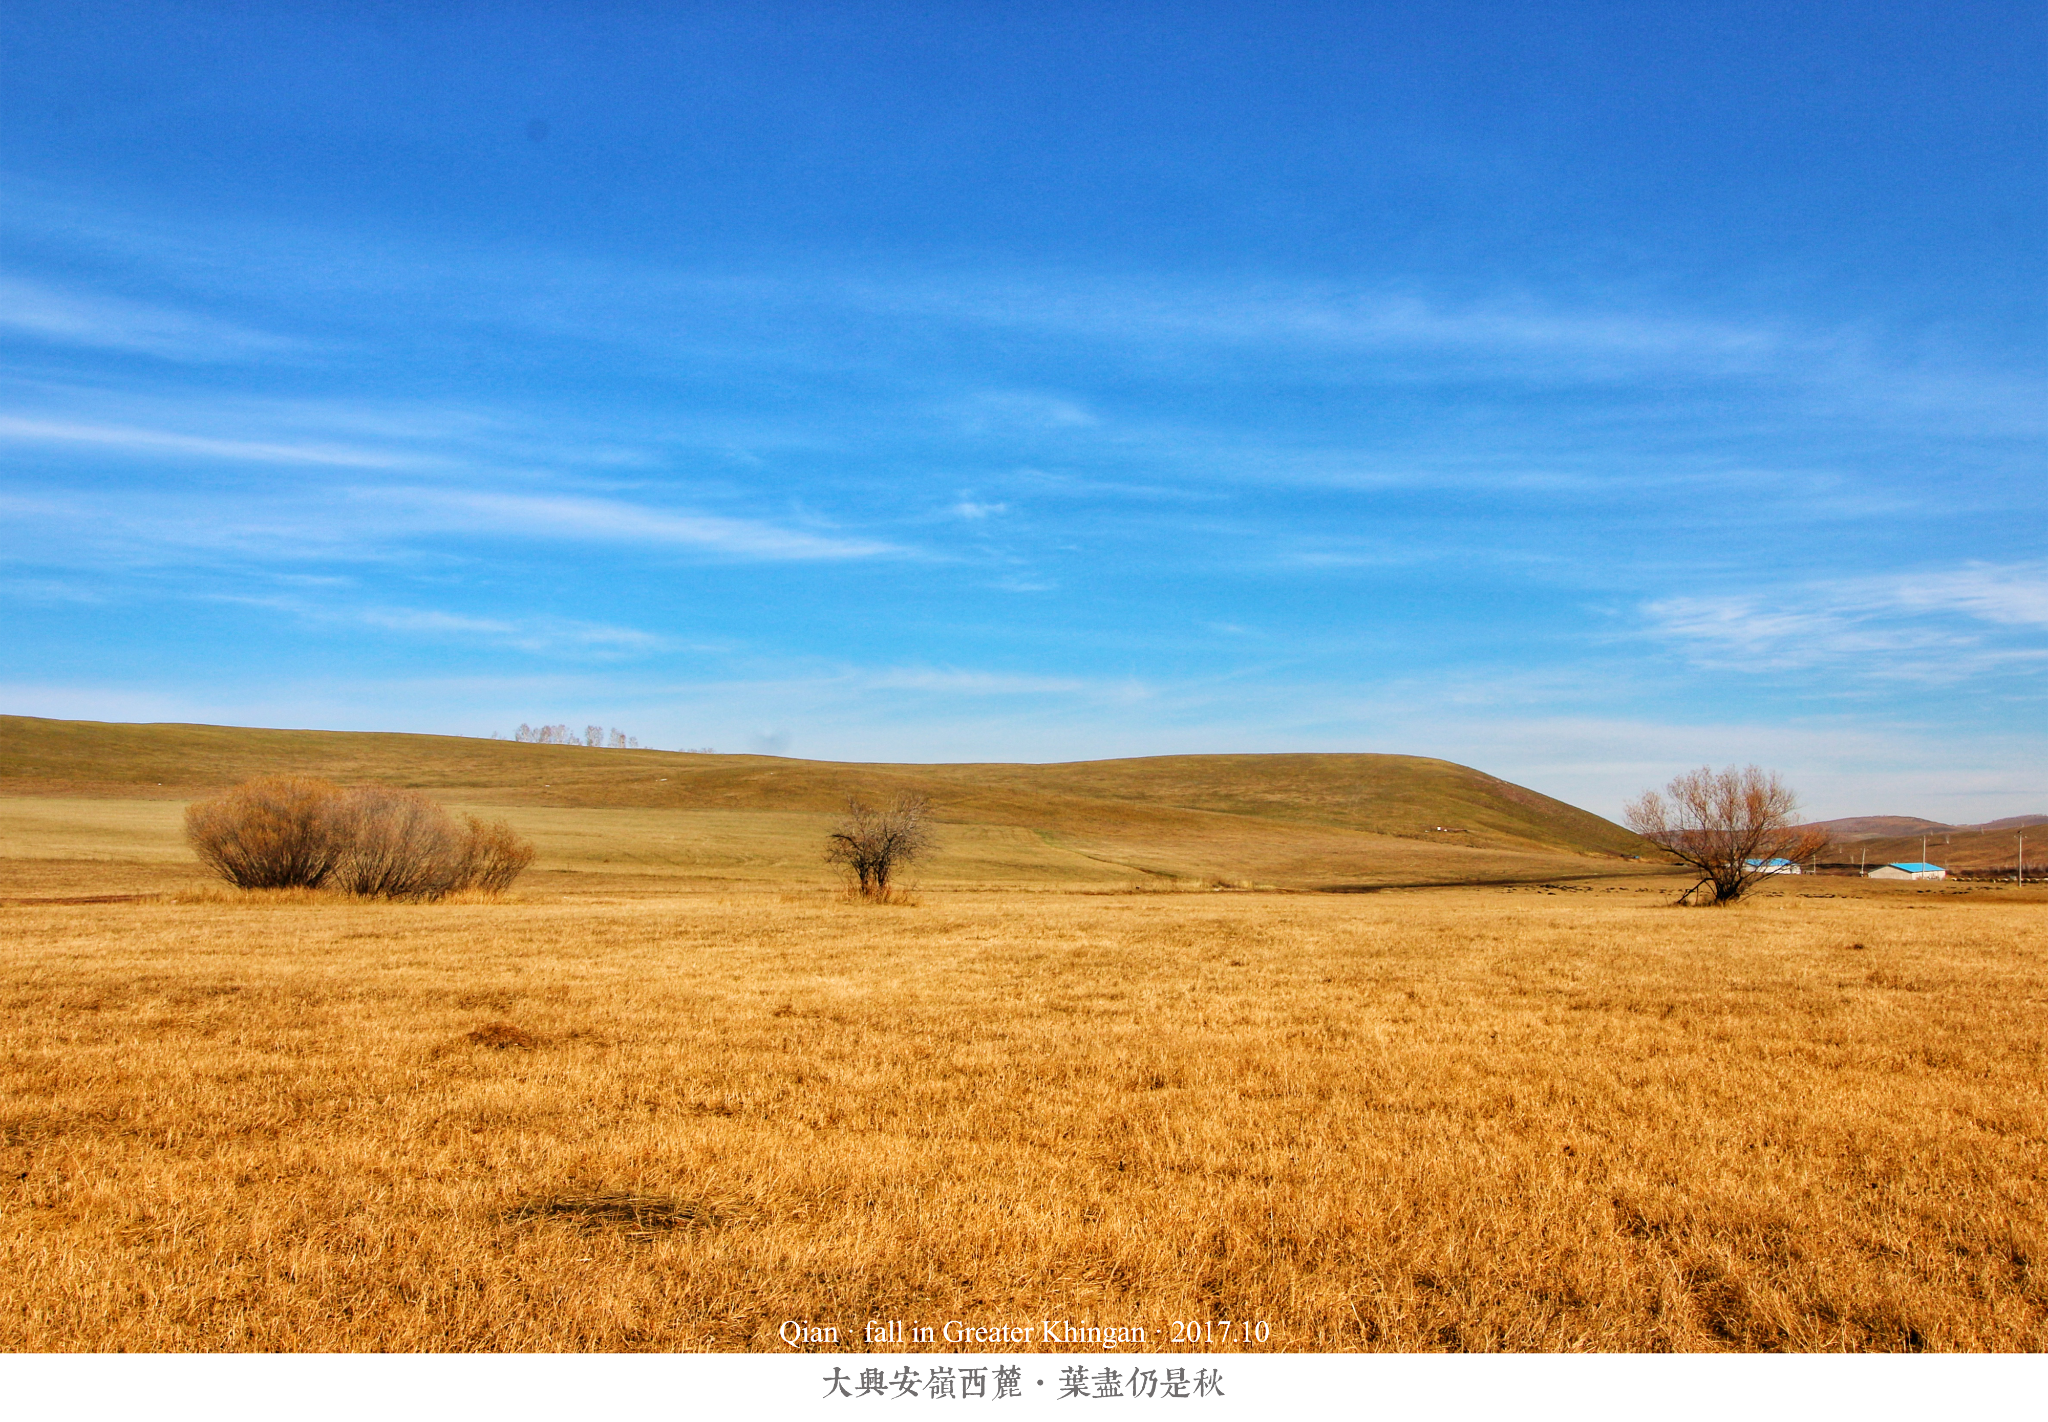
(1727, 826)
(872, 844)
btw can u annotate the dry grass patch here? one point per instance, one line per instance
(500, 1035)
(638, 1216)
(1421, 1121)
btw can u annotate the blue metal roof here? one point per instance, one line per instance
(1913, 868)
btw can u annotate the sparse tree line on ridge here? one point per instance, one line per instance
(594, 736)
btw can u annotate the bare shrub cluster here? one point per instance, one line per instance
(276, 832)
(561, 735)
(872, 844)
(291, 832)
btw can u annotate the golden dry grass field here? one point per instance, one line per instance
(674, 1092)
(627, 1113)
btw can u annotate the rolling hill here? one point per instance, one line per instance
(1992, 847)
(1961, 848)
(1860, 827)
(1292, 820)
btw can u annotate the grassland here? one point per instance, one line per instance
(674, 1091)
(633, 1117)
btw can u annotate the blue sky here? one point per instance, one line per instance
(1582, 392)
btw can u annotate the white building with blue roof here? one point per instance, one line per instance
(1909, 871)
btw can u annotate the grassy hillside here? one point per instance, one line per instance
(1963, 849)
(1992, 847)
(1861, 827)
(1284, 819)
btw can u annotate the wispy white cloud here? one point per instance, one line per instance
(619, 521)
(406, 619)
(540, 635)
(24, 507)
(1327, 553)
(543, 634)
(52, 591)
(995, 411)
(764, 312)
(305, 516)
(1333, 317)
(764, 317)
(1941, 625)
(2015, 596)
(371, 527)
(106, 323)
(982, 683)
(129, 440)
(1323, 330)
(1759, 632)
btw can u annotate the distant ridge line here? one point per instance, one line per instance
(1895, 826)
(1104, 808)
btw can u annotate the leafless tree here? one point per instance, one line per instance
(1727, 826)
(873, 844)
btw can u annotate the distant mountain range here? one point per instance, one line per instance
(1874, 826)
(1899, 826)
(1992, 847)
